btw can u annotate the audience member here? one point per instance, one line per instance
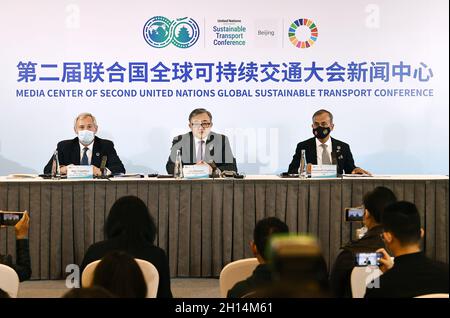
(23, 263)
(411, 274)
(119, 273)
(130, 228)
(90, 292)
(374, 203)
(261, 275)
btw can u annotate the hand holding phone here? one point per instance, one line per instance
(22, 226)
(10, 218)
(386, 262)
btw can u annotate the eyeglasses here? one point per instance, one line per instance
(204, 125)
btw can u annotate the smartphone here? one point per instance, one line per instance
(368, 259)
(354, 214)
(10, 218)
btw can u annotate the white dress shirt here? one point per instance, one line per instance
(319, 150)
(197, 144)
(88, 152)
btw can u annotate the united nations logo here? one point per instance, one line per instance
(159, 32)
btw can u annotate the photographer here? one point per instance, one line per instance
(412, 274)
(23, 264)
(374, 204)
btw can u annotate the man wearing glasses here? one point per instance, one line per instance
(201, 146)
(322, 149)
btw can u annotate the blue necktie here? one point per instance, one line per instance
(84, 159)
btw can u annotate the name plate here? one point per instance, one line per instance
(80, 172)
(196, 171)
(324, 171)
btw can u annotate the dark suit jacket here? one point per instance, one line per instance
(412, 275)
(341, 149)
(217, 149)
(261, 277)
(23, 263)
(69, 153)
(343, 266)
(151, 253)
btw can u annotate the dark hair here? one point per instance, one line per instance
(323, 111)
(199, 111)
(4, 294)
(264, 229)
(130, 219)
(376, 200)
(89, 292)
(119, 273)
(402, 219)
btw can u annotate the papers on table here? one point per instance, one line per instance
(22, 176)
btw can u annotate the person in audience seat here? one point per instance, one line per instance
(411, 273)
(130, 228)
(262, 273)
(374, 203)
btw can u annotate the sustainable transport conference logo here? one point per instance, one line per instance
(159, 32)
(303, 33)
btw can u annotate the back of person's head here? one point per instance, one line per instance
(402, 219)
(264, 229)
(89, 292)
(298, 267)
(120, 274)
(130, 219)
(376, 200)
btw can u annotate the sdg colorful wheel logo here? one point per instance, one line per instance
(297, 31)
(159, 32)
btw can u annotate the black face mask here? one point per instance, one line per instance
(321, 132)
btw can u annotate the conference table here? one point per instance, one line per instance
(206, 223)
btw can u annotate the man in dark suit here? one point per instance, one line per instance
(201, 146)
(411, 273)
(322, 149)
(262, 275)
(87, 149)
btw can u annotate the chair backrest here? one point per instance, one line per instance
(433, 296)
(149, 270)
(361, 276)
(9, 280)
(235, 272)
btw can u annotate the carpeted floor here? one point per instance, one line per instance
(181, 288)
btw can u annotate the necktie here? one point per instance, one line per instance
(200, 150)
(84, 159)
(325, 155)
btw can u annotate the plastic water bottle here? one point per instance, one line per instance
(302, 174)
(56, 172)
(178, 169)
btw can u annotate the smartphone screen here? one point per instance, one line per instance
(368, 259)
(10, 218)
(354, 214)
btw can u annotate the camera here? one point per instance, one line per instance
(10, 218)
(354, 214)
(368, 259)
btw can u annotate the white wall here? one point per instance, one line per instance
(387, 134)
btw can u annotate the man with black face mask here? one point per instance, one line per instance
(322, 149)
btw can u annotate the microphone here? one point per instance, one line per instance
(335, 162)
(103, 165)
(213, 165)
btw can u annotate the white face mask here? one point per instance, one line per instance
(86, 137)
